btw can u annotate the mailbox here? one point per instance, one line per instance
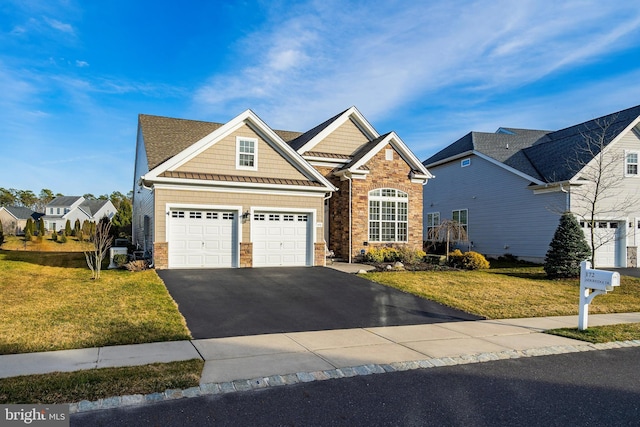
(593, 283)
(599, 279)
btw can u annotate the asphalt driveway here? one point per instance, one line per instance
(251, 301)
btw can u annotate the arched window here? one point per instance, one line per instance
(388, 212)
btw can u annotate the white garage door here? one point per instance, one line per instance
(202, 238)
(608, 243)
(280, 239)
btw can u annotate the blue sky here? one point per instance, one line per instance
(74, 75)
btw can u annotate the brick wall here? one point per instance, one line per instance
(246, 254)
(320, 255)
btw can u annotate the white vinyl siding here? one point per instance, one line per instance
(388, 215)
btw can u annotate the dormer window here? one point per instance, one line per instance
(246, 153)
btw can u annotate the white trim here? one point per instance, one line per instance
(637, 164)
(262, 189)
(254, 141)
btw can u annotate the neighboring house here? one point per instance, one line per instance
(509, 188)
(241, 194)
(73, 208)
(14, 219)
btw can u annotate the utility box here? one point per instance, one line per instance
(113, 252)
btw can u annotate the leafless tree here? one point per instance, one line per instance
(600, 173)
(101, 240)
(448, 231)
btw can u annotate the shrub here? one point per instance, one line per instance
(54, 236)
(374, 255)
(67, 228)
(469, 260)
(120, 260)
(474, 261)
(410, 256)
(1, 234)
(567, 249)
(138, 265)
(62, 238)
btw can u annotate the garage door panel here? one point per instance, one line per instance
(202, 239)
(280, 239)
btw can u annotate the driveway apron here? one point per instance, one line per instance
(251, 301)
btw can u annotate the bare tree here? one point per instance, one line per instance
(600, 173)
(101, 240)
(448, 231)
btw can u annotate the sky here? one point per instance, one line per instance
(74, 75)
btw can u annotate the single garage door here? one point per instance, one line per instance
(608, 241)
(201, 238)
(280, 239)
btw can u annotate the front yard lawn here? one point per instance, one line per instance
(49, 302)
(514, 292)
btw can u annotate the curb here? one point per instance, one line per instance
(245, 385)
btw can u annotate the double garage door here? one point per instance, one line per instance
(200, 238)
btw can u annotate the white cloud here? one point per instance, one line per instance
(60, 26)
(321, 58)
(81, 64)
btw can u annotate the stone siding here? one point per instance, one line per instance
(161, 255)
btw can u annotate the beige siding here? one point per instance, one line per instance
(221, 159)
(344, 140)
(246, 200)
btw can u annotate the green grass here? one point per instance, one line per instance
(49, 302)
(94, 384)
(601, 334)
(509, 292)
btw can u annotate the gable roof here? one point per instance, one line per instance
(62, 201)
(91, 207)
(544, 156)
(170, 143)
(20, 212)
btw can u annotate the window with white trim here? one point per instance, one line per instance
(388, 215)
(246, 153)
(631, 163)
(433, 221)
(461, 217)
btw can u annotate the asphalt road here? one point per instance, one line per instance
(252, 301)
(596, 388)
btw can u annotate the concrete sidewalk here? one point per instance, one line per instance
(260, 356)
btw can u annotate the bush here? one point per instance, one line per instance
(391, 254)
(567, 249)
(54, 236)
(138, 265)
(410, 256)
(120, 260)
(468, 261)
(62, 238)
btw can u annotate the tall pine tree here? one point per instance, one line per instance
(567, 249)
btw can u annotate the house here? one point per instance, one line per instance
(73, 208)
(240, 194)
(14, 219)
(508, 189)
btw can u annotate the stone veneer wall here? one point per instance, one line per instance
(382, 174)
(246, 254)
(320, 255)
(161, 255)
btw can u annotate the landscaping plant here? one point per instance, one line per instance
(567, 249)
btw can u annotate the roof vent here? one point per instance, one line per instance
(507, 147)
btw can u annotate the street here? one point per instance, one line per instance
(592, 388)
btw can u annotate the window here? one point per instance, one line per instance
(433, 221)
(195, 215)
(246, 153)
(258, 217)
(631, 163)
(212, 215)
(461, 217)
(388, 215)
(388, 154)
(228, 215)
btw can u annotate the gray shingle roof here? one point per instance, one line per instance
(63, 201)
(20, 212)
(92, 206)
(302, 139)
(548, 156)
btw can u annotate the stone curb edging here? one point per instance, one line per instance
(305, 377)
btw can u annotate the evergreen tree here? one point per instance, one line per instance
(41, 230)
(76, 228)
(1, 234)
(567, 249)
(28, 228)
(67, 228)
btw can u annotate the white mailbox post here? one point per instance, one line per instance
(593, 283)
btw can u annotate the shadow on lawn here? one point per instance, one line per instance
(48, 259)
